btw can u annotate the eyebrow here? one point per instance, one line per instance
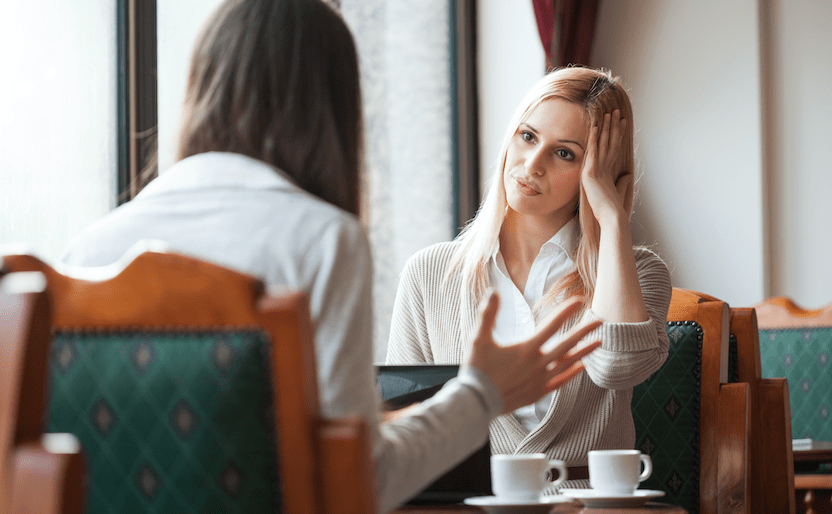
(524, 124)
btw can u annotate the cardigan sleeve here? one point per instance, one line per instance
(631, 352)
(409, 342)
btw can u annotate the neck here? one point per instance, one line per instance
(522, 236)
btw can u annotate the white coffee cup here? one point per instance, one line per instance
(523, 477)
(618, 472)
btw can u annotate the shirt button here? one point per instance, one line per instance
(525, 319)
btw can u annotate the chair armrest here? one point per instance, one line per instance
(348, 479)
(48, 476)
(734, 426)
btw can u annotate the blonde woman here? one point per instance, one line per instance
(553, 226)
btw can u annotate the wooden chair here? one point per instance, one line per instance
(55, 478)
(772, 468)
(191, 390)
(689, 419)
(796, 343)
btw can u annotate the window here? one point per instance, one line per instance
(57, 120)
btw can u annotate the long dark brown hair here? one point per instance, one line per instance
(277, 80)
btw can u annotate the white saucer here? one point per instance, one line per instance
(594, 499)
(496, 505)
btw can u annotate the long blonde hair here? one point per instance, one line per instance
(599, 93)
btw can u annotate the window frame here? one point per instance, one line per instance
(136, 96)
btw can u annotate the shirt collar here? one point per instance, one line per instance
(218, 170)
(567, 239)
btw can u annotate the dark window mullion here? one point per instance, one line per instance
(136, 96)
(464, 113)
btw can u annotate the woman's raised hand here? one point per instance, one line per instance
(609, 195)
(523, 372)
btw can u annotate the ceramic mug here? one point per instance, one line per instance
(523, 477)
(618, 472)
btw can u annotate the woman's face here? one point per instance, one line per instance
(542, 175)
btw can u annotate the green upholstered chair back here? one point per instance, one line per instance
(167, 368)
(169, 421)
(796, 344)
(802, 355)
(666, 411)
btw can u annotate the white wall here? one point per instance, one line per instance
(801, 149)
(693, 73)
(510, 60)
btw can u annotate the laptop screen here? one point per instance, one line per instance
(404, 385)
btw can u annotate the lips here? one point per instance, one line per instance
(526, 188)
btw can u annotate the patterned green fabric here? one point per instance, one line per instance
(666, 415)
(733, 360)
(802, 356)
(169, 422)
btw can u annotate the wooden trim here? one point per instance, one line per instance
(775, 410)
(287, 318)
(782, 312)
(744, 327)
(813, 481)
(140, 301)
(46, 482)
(734, 433)
(24, 339)
(712, 316)
(344, 452)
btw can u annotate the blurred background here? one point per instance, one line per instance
(734, 125)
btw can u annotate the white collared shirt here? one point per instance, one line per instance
(246, 215)
(515, 319)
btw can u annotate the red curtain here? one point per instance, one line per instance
(566, 29)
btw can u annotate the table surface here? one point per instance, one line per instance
(560, 508)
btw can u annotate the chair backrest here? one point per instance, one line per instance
(678, 411)
(771, 459)
(56, 479)
(193, 391)
(796, 344)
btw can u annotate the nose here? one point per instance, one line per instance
(535, 161)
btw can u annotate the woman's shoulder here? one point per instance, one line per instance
(437, 255)
(645, 255)
(431, 262)
(652, 269)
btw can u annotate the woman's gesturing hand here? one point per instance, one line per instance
(523, 372)
(609, 195)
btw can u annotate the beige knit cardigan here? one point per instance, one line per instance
(434, 320)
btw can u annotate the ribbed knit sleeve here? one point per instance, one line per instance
(432, 321)
(631, 352)
(409, 342)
